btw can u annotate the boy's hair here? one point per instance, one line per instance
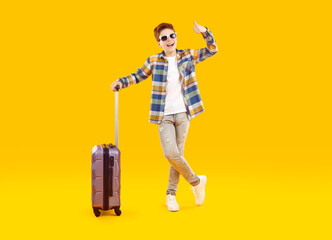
(161, 27)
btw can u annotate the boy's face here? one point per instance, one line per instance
(169, 45)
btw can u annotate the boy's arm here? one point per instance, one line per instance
(210, 49)
(141, 74)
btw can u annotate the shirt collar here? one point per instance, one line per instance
(178, 52)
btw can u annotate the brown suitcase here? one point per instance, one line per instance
(105, 174)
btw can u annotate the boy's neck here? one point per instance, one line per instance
(170, 54)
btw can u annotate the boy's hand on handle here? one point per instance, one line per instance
(199, 29)
(115, 85)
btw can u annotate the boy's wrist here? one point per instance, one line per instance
(204, 33)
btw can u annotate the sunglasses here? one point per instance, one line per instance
(164, 38)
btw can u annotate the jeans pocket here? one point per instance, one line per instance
(188, 116)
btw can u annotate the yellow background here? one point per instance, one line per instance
(264, 141)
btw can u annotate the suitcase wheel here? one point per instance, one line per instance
(96, 212)
(117, 211)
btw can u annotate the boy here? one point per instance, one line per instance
(175, 100)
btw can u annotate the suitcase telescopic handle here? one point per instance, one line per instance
(116, 116)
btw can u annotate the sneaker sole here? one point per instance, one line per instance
(172, 210)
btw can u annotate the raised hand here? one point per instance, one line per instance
(198, 28)
(114, 84)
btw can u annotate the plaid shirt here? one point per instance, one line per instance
(157, 65)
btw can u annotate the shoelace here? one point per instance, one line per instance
(193, 188)
(171, 198)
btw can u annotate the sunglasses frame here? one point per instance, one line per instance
(168, 36)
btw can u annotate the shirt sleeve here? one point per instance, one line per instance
(211, 48)
(141, 74)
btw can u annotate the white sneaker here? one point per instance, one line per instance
(171, 203)
(199, 190)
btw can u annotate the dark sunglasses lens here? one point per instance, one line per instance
(173, 35)
(164, 38)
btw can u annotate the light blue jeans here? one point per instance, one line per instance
(173, 131)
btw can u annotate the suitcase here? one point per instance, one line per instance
(105, 174)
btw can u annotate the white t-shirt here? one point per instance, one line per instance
(174, 102)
